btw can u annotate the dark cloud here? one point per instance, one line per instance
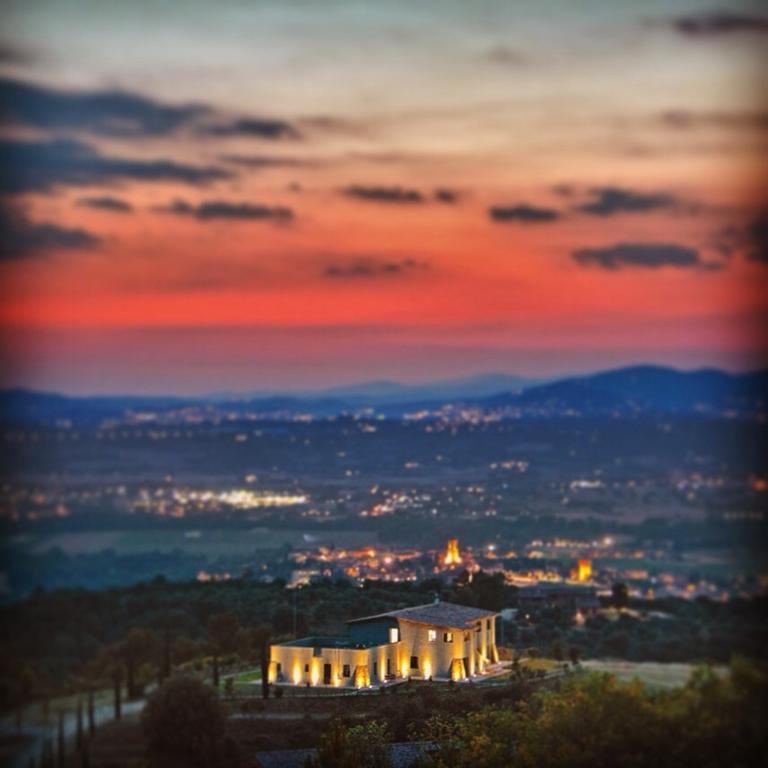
(607, 201)
(21, 238)
(221, 209)
(106, 203)
(719, 23)
(749, 238)
(388, 158)
(757, 238)
(384, 194)
(372, 267)
(684, 119)
(40, 166)
(564, 190)
(259, 128)
(646, 255)
(10, 54)
(122, 114)
(264, 161)
(526, 214)
(445, 195)
(502, 54)
(109, 113)
(334, 124)
(728, 240)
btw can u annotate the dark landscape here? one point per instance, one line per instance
(278, 522)
(383, 384)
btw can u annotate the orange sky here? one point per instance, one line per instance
(368, 191)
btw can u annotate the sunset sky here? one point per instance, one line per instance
(237, 196)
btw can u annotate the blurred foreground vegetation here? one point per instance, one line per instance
(595, 721)
(588, 720)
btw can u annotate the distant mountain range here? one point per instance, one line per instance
(380, 392)
(633, 390)
(388, 391)
(646, 388)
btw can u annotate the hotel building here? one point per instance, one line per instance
(440, 641)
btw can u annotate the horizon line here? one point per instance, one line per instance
(530, 382)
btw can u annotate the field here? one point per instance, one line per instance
(653, 674)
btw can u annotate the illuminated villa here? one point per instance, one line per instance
(439, 641)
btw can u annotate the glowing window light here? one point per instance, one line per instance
(362, 677)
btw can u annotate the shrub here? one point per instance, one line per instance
(184, 719)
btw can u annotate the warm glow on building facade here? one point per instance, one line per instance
(439, 641)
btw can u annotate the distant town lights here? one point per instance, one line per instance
(240, 498)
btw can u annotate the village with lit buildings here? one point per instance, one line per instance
(564, 563)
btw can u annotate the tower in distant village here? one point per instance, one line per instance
(452, 554)
(582, 571)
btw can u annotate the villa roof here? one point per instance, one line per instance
(440, 614)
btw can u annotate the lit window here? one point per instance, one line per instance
(448, 637)
(394, 634)
(432, 635)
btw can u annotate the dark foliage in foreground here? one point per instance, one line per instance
(595, 722)
(185, 721)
